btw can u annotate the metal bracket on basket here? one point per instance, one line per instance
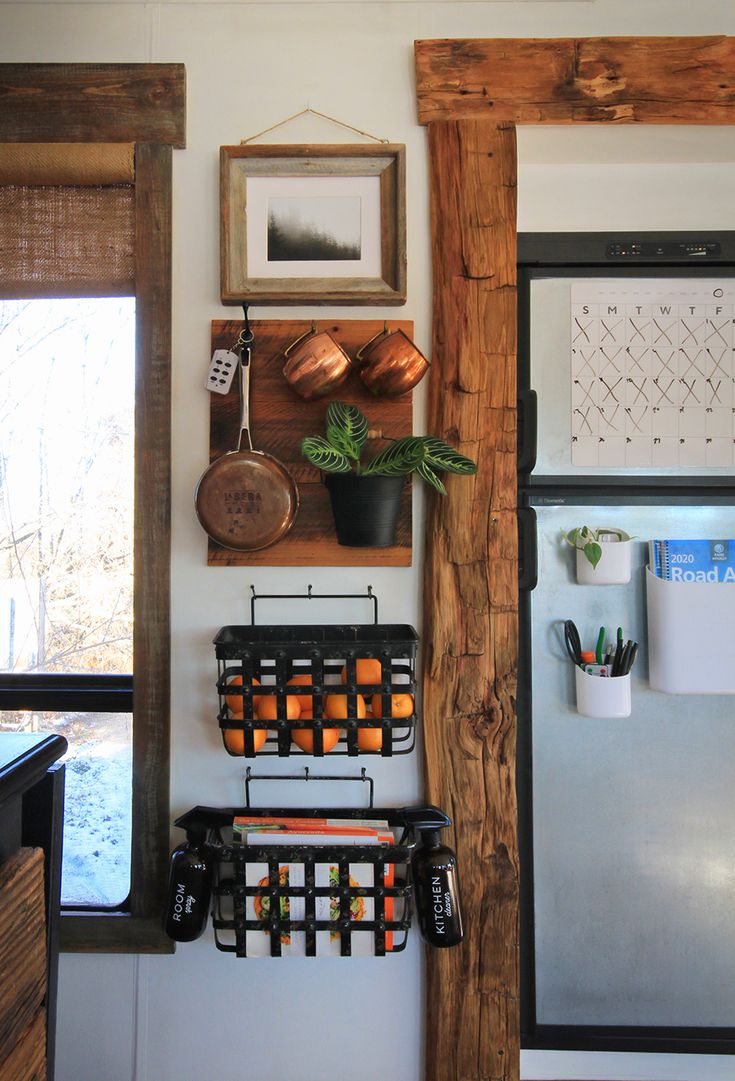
(363, 778)
(309, 596)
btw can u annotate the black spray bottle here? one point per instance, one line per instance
(436, 883)
(189, 887)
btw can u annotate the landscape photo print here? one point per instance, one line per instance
(321, 224)
(315, 227)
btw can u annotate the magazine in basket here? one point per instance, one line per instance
(330, 900)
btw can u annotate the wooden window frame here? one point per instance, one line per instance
(142, 104)
(472, 93)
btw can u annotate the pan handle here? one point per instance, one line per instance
(245, 356)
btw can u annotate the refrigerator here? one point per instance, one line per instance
(626, 807)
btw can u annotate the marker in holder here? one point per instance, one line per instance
(602, 696)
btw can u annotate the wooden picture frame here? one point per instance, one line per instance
(313, 224)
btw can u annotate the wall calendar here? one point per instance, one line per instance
(653, 372)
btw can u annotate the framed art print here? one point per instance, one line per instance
(313, 224)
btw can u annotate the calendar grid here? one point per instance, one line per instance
(652, 373)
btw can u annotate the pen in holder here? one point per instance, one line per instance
(602, 696)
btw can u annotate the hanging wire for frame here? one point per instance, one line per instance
(313, 112)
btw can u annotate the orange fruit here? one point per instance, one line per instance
(401, 705)
(235, 739)
(335, 706)
(235, 701)
(304, 738)
(307, 714)
(368, 670)
(370, 739)
(268, 708)
(304, 700)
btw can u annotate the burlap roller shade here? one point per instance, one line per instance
(82, 164)
(74, 238)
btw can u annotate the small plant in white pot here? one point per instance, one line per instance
(603, 555)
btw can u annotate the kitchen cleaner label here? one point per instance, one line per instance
(442, 903)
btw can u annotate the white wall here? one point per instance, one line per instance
(201, 1015)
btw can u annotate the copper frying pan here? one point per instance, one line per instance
(247, 499)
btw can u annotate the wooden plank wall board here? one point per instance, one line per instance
(111, 103)
(22, 947)
(471, 565)
(279, 420)
(665, 80)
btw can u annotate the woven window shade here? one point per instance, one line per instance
(67, 223)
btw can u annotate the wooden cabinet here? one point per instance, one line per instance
(31, 809)
(23, 961)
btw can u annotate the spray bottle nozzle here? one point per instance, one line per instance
(428, 820)
(196, 833)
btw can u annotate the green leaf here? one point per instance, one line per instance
(446, 459)
(399, 458)
(578, 537)
(424, 470)
(342, 442)
(583, 538)
(346, 428)
(317, 451)
(593, 551)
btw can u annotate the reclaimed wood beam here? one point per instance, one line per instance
(471, 597)
(111, 103)
(471, 93)
(659, 80)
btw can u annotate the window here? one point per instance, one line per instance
(95, 254)
(67, 445)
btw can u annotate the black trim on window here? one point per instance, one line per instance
(62, 691)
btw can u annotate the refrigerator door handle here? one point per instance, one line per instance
(527, 430)
(527, 550)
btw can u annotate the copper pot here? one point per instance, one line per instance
(246, 499)
(315, 364)
(390, 364)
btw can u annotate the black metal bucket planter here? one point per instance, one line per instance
(365, 509)
(366, 495)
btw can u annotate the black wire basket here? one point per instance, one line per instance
(355, 686)
(306, 899)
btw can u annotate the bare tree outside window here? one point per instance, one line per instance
(66, 540)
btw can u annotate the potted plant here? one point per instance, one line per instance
(603, 554)
(366, 495)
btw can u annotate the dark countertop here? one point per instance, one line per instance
(24, 759)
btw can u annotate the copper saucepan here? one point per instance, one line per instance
(246, 499)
